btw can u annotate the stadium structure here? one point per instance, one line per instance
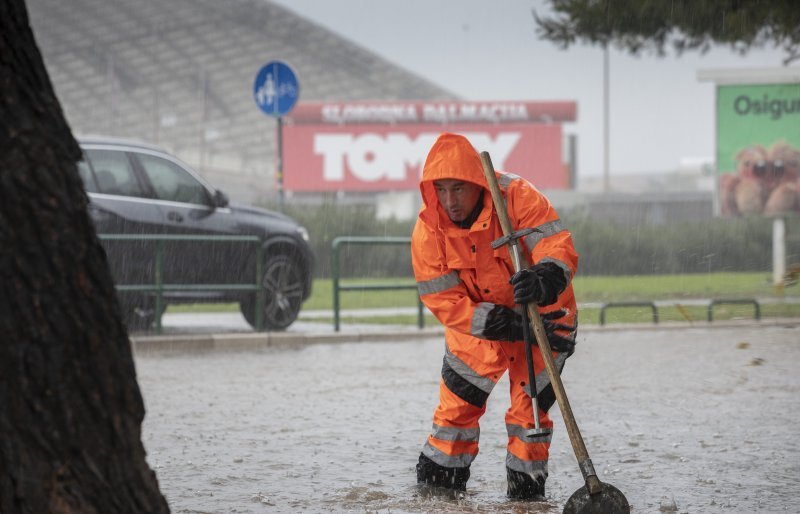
(180, 73)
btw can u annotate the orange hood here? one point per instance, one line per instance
(451, 157)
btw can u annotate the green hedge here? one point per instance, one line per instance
(706, 246)
(604, 248)
(329, 221)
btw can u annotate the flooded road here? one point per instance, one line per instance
(693, 420)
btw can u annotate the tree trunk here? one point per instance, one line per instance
(70, 407)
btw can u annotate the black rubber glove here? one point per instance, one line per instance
(541, 283)
(557, 342)
(503, 324)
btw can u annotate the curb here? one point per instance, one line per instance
(255, 340)
(693, 325)
(238, 341)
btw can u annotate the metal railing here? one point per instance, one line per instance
(734, 301)
(159, 287)
(708, 303)
(628, 304)
(338, 287)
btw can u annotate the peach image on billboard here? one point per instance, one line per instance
(766, 181)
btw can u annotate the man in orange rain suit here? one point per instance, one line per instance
(466, 284)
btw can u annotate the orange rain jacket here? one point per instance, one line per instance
(459, 276)
(460, 279)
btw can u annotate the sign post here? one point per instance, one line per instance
(275, 92)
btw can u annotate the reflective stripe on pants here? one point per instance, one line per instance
(470, 370)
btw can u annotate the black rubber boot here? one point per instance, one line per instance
(521, 486)
(430, 473)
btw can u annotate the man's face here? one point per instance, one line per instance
(457, 197)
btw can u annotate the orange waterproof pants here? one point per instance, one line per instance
(471, 368)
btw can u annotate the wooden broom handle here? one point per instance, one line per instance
(589, 475)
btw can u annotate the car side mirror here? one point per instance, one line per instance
(220, 199)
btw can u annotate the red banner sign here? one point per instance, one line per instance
(382, 146)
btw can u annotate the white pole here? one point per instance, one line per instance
(778, 250)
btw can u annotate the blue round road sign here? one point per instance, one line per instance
(276, 89)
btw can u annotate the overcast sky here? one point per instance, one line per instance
(660, 114)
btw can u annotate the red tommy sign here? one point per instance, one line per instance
(370, 146)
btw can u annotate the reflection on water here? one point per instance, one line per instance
(678, 420)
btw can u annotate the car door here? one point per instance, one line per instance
(189, 207)
(121, 204)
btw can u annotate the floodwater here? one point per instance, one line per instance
(693, 420)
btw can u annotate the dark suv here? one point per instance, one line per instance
(135, 188)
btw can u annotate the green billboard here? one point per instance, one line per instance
(758, 148)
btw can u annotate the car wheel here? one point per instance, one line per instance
(283, 294)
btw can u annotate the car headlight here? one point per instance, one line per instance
(303, 233)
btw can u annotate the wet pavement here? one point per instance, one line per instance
(688, 420)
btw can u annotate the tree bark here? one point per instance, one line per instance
(70, 406)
